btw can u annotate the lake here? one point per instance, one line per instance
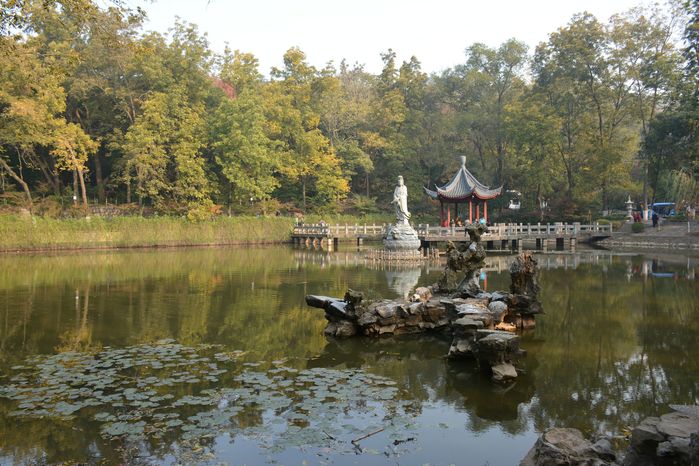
(210, 355)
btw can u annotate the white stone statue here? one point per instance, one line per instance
(400, 200)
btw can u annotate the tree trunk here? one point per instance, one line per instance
(99, 179)
(19, 180)
(75, 187)
(83, 191)
(644, 199)
(303, 194)
(48, 173)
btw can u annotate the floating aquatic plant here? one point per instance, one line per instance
(192, 394)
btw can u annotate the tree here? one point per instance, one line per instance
(643, 44)
(30, 100)
(295, 126)
(495, 79)
(248, 159)
(71, 147)
(163, 153)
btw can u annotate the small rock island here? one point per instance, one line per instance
(482, 324)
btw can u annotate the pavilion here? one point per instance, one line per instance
(462, 188)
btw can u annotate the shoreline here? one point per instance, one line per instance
(36, 235)
(17, 251)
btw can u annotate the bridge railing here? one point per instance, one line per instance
(498, 230)
(339, 231)
(521, 230)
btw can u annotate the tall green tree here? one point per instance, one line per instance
(163, 151)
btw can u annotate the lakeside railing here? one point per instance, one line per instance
(520, 230)
(498, 230)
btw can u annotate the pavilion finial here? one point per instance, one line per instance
(463, 160)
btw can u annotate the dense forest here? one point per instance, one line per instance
(94, 109)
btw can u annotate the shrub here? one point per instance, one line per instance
(637, 227)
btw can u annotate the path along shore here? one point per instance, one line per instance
(668, 235)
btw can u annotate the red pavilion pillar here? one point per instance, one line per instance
(470, 210)
(485, 211)
(441, 213)
(478, 211)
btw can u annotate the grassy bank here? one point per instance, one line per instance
(19, 233)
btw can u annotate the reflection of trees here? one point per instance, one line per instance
(611, 352)
(80, 337)
(417, 363)
(248, 298)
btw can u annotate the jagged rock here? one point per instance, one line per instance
(415, 308)
(337, 311)
(678, 425)
(386, 311)
(562, 446)
(467, 323)
(667, 440)
(464, 264)
(647, 432)
(523, 275)
(354, 297)
(498, 309)
(367, 318)
(460, 348)
(603, 448)
(504, 372)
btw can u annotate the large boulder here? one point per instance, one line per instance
(562, 446)
(670, 439)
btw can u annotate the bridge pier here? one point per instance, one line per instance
(360, 240)
(573, 244)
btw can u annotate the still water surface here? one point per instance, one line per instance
(210, 355)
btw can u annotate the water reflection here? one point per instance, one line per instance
(617, 342)
(402, 281)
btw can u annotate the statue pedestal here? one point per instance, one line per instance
(401, 237)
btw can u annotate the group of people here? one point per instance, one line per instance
(638, 217)
(457, 222)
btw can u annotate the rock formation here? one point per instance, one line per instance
(464, 264)
(671, 439)
(456, 305)
(568, 446)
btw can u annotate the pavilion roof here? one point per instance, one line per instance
(463, 186)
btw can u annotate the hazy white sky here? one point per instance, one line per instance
(436, 31)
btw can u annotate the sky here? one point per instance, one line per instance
(437, 31)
